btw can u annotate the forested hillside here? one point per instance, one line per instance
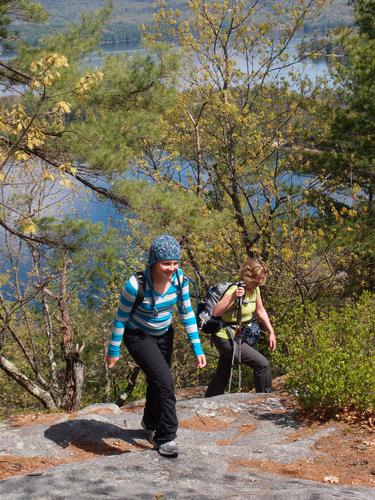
(257, 159)
(128, 15)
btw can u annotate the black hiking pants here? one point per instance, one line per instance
(153, 355)
(249, 356)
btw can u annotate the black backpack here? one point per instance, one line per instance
(140, 291)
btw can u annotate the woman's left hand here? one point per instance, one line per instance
(272, 342)
(201, 361)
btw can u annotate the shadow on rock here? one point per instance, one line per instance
(282, 419)
(93, 436)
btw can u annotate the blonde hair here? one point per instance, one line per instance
(253, 273)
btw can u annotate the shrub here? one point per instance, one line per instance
(329, 356)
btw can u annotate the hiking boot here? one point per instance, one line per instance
(168, 449)
(150, 432)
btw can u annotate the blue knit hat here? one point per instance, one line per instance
(164, 247)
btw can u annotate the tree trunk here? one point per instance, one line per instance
(30, 386)
(108, 382)
(50, 336)
(74, 378)
(74, 370)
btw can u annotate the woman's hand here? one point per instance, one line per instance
(111, 361)
(227, 301)
(201, 361)
(239, 292)
(272, 342)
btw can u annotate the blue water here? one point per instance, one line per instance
(84, 204)
(97, 211)
(312, 68)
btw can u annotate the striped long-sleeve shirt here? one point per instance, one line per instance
(154, 314)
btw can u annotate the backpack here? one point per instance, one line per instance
(140, 291)
(207, 322)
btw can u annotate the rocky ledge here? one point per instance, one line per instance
(232, 446)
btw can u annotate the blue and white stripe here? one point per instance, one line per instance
(144, 317)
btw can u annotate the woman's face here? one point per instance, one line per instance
(165, 269)
(263, 279)
(256, 281)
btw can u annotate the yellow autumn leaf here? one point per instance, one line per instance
(48, 176)
(28, 226)
(48, 79)
(4, 279)
(34, 67)
(67, 183)
(49, 60)
(59, 60)
(356, 189)
(35, 84)
(35, 138)
(287, 254)
(65, 167)
(4, 127)
(62, 107)
(21, 156)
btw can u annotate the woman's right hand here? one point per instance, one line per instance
(228, 301)
(239, 292)
(201, 361)
(111, 361)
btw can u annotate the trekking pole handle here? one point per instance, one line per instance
(240, 284)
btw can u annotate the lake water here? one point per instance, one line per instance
(84, 204)
(313, 68)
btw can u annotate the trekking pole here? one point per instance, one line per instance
(237, 334)
(232, 365)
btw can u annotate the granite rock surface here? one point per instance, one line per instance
(101, 452)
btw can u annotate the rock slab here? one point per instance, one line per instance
(104, 454)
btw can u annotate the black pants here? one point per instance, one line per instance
(249, 356)
(153, 356)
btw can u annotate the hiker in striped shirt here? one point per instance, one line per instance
(149, 336)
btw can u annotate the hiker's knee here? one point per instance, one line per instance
(265, 364)
(260, 364)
